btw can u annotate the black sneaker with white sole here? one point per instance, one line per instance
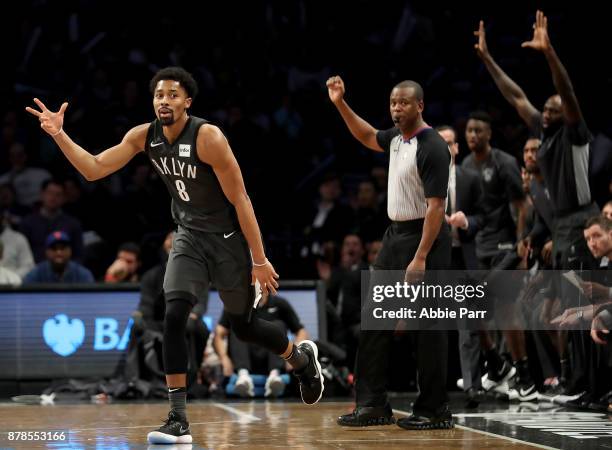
(310, 378)
(524, 392)
(497, 381)
(175, 430)
(505, 372)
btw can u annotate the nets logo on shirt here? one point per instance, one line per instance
(184, 150)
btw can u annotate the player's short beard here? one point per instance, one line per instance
(168, 120)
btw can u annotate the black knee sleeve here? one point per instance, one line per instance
(259, 331)
(175, 344)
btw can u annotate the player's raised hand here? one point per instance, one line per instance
(540, 40)
(51, 122)
(481, 46)
(335, 89)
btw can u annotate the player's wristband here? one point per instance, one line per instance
(262, 264)
(60, 130)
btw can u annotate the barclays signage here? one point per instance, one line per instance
(57, 334)
(107, 336)
(64, 336)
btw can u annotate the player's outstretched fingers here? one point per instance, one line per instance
(41, 105)
(33, 111)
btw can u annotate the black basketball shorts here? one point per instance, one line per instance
(198, 258)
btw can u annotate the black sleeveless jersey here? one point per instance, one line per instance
(198, 202)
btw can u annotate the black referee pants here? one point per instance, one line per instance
(400, 244)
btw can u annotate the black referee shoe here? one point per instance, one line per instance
(367, 416)
(310, 378)
(175, 430)
(441, 421)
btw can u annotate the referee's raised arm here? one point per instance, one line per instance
(359, 128)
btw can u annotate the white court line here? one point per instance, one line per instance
(518, 441)
(529, 414)
(242, 416)
(486, 433)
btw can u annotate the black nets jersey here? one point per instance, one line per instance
(198, 202)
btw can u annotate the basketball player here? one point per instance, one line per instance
(218, 238)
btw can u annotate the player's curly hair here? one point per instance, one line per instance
(179, 74)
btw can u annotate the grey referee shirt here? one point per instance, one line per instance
(418, 169)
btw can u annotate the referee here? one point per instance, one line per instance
(417, 239)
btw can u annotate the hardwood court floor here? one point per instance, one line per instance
(250, 425)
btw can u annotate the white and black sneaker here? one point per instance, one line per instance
(244, 386)
(524, 393)
(310, 378)
(175, 430)
(275, 387)
(498, 381)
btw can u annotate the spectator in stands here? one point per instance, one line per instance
(125, 267)
(58, 268)
(344, 293)
(37, 226)
(330, 220)
(371, 221)
(26, 180)
(288, 120)
(381, 178)
(373, 249)
(7, 276)
(247, 358)
(17, 255)
(13, 212)
(77, 203)
(607, 210)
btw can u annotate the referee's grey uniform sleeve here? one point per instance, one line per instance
(433, 163)
(384, 138)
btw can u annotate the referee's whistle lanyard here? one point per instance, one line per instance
(415, 132)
